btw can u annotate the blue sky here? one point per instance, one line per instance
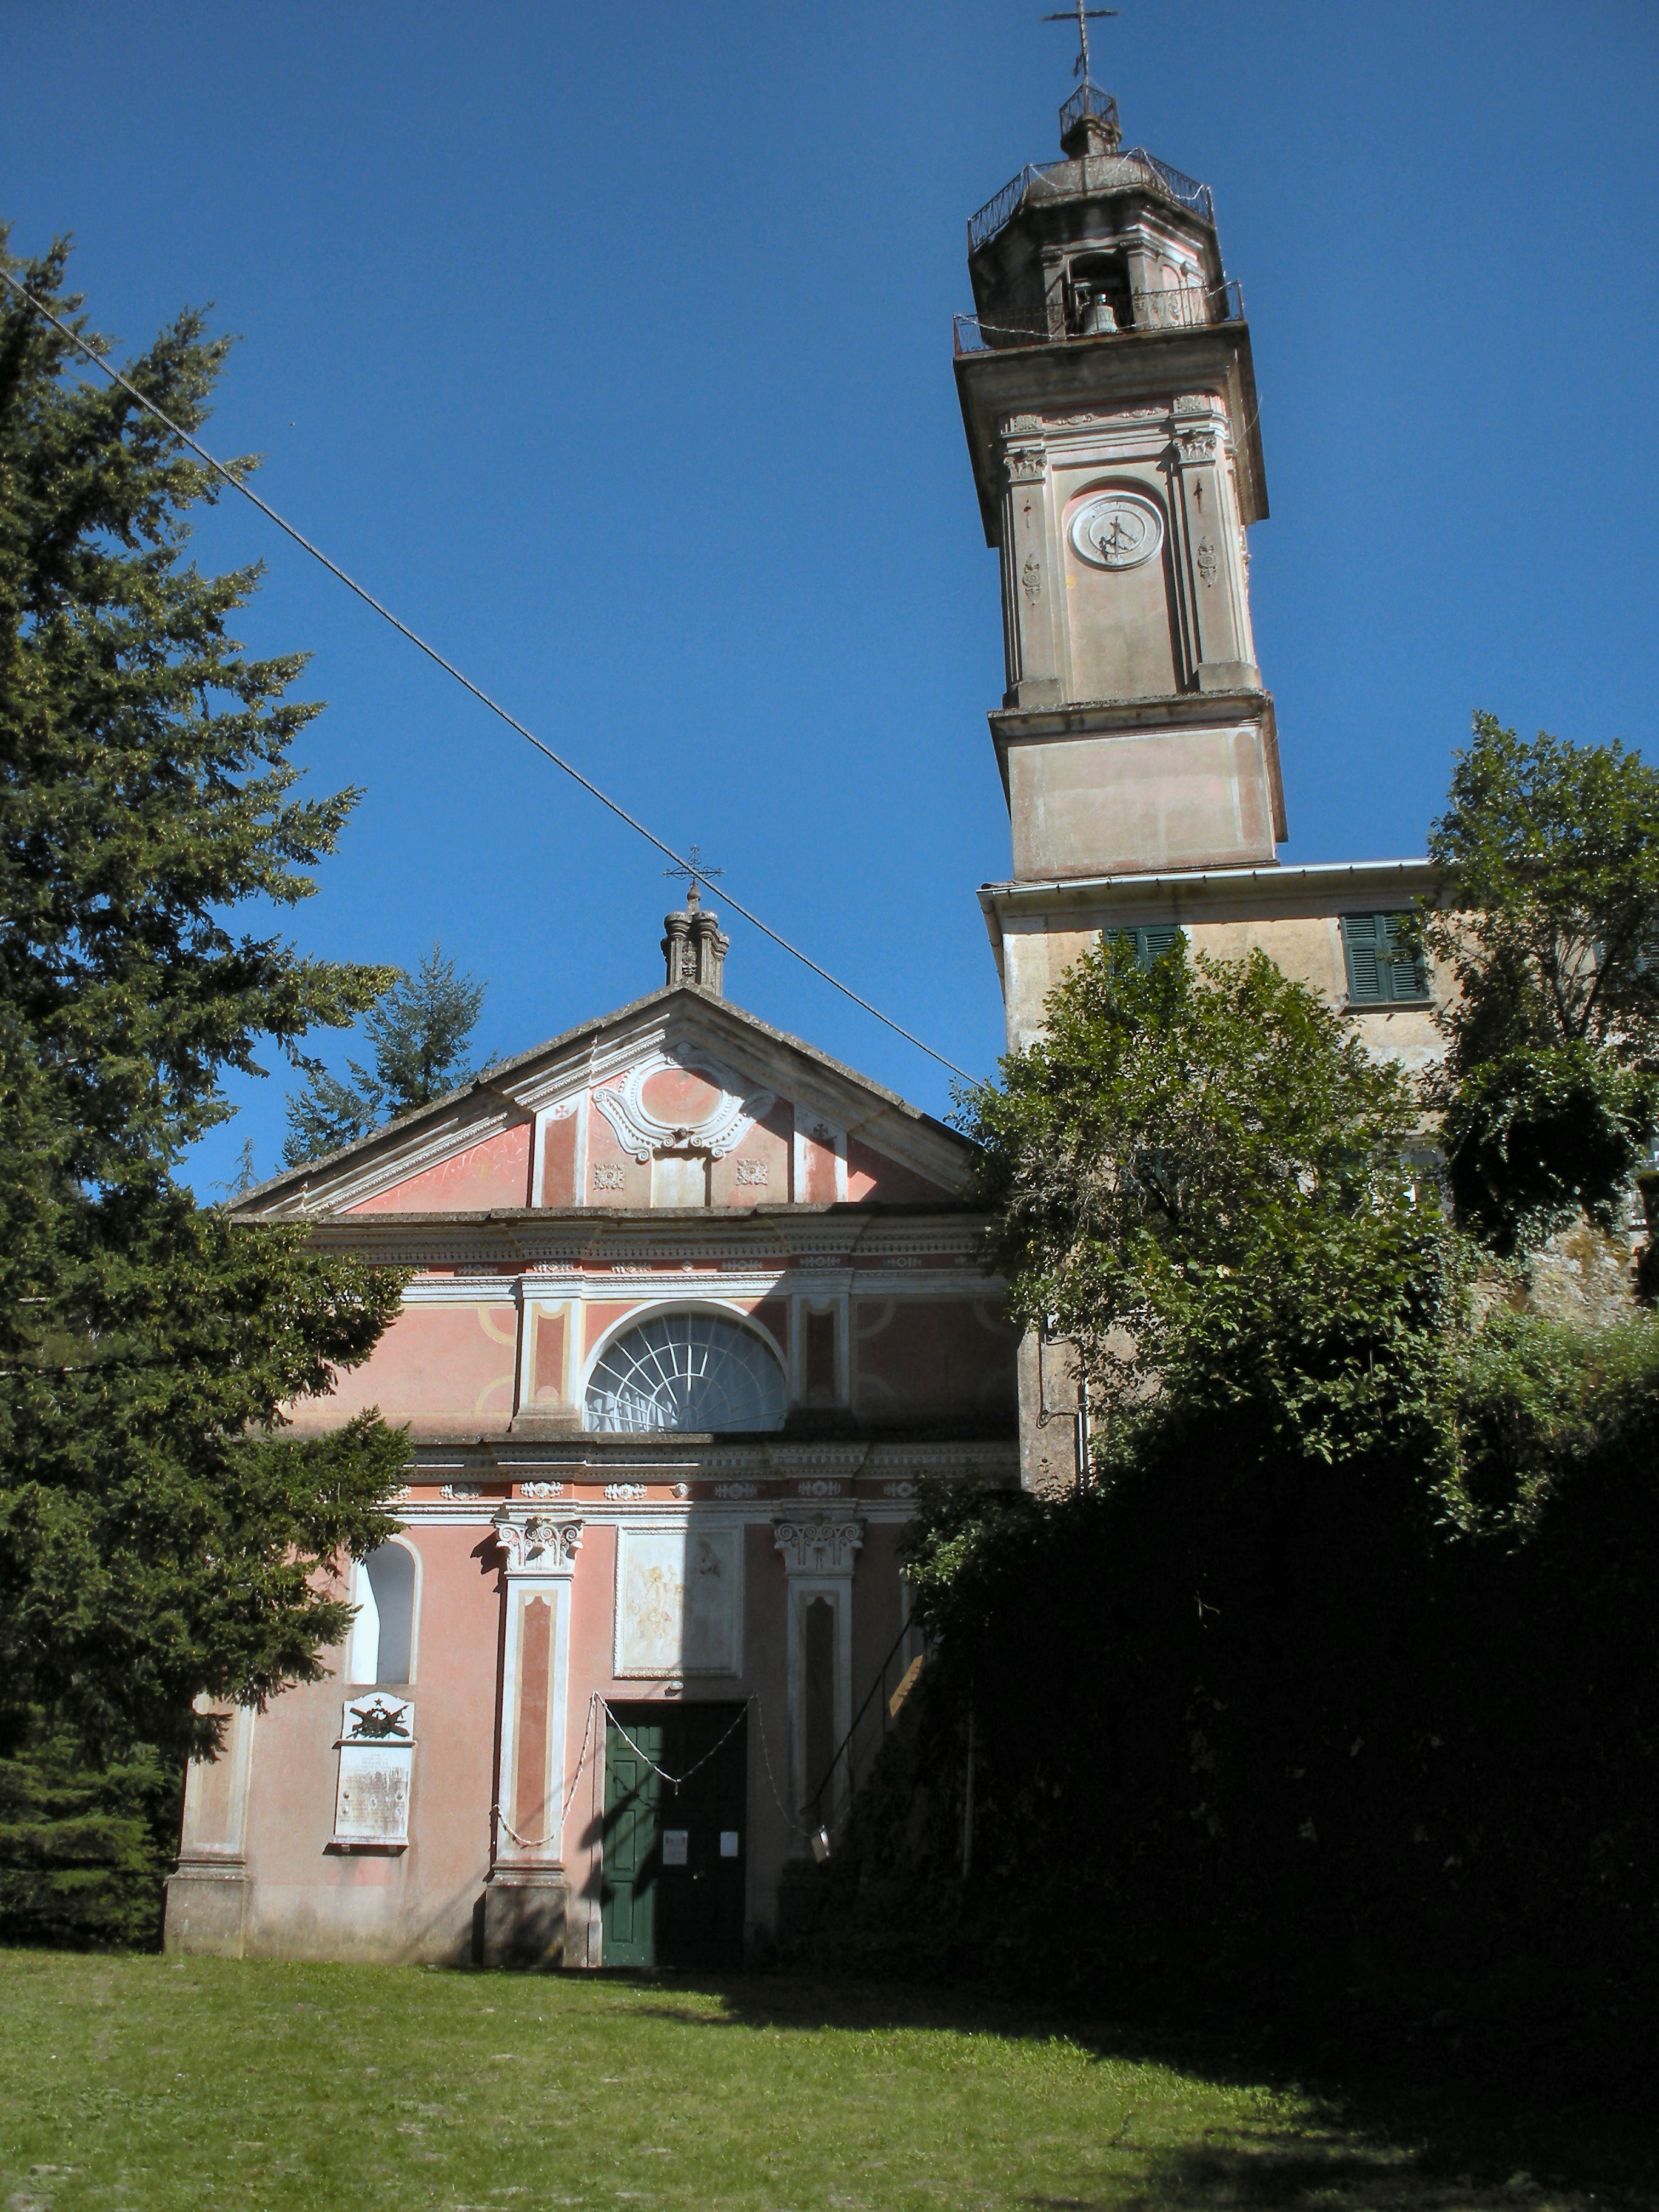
(612, 348)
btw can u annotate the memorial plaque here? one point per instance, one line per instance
(376, 1745)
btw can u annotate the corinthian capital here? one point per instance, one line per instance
(818, 1543)
(537, 1543)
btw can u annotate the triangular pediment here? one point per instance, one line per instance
(678, 1100)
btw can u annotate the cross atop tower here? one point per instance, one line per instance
(696, 946)
(697, 874)
(1082, 17)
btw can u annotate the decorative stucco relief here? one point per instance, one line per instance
(640, 1132)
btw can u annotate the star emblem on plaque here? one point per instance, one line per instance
(1117, 529)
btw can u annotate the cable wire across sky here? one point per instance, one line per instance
(681, 867)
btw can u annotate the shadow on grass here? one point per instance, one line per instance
(1426, 2126)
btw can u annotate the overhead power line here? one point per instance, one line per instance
(681, 867)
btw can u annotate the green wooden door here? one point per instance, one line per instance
(675, 1858)
(632, 1859)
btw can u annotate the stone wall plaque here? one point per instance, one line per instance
(376, 1745)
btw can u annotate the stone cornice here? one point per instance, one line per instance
(594, 1460)
(508, 1239)
(1093, 718)
(1209, 895)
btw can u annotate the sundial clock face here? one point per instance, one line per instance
(1117, 531)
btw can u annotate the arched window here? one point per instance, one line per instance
(383, 1634)
(686, 1370)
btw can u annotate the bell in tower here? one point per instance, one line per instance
(1109, 401)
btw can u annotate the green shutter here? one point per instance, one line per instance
(1407, 978)
(1150, 943)
(1359, 952)
(1379, 973)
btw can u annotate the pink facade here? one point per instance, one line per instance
(605, 1551)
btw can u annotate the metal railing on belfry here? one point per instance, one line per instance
(1182, 307)
(1132, 170)
(824, 1810)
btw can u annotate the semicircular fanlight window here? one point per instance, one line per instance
(686, 1371)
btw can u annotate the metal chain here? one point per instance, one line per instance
(525, 1843)
(771, 1783)
(676, 1779)
(541, 1844)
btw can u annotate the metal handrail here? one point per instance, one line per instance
(1136, 166)
(1197, 198)
(1185, 306)
(813, 1805)
(1088, 99)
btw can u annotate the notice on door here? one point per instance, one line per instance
(673, 1846)
(728, 1843)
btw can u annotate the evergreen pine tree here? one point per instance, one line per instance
(420, 1031)
(159, 1535)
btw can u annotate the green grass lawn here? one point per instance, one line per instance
(158, 2087)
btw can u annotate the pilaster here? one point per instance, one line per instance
(1031, 571)
(526, 1896)
(207, 1894)
(820, 1551)
(1209, 547)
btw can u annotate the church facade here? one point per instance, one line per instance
(694, 1309)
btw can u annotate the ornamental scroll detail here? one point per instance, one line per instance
(642, 1133)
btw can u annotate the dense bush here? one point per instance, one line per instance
(1247, 1729)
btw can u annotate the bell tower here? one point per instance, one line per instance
(1109, 401)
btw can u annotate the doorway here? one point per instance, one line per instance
(672, 1892)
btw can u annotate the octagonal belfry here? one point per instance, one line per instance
(1108, 397)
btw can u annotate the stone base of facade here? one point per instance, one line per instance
(798, 1889)
(525, 1914)
(207, 1908)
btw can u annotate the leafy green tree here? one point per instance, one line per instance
(1201, 1178)
(1548, 1088)
(160, 1538)
(420, 1032)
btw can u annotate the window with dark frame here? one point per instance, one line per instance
(1151, 941)
(1381, 972)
